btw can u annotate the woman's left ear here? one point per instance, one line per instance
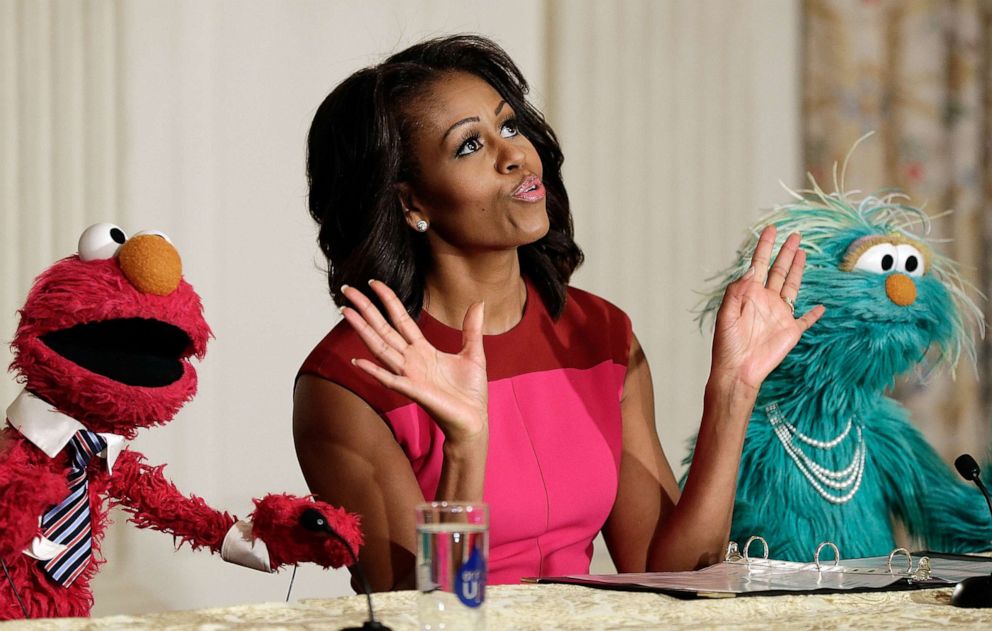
(411, 213)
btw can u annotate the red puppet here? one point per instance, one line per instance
(103, 349)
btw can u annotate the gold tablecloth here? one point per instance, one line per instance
(553, 607)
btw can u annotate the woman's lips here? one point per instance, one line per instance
(530, 190)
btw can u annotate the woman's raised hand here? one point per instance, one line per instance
(453, 389)
(756, 325)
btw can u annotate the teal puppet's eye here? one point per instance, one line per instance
(910, 260)
(881, 258)
(884, 254)
(100, 241)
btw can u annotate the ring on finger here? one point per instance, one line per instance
(792, 304)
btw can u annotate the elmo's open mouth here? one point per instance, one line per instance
(133, 351)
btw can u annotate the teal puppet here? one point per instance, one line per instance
(828, 455)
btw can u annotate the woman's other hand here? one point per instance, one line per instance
(756, 326)
(452, 388)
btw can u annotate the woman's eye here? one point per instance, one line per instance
(910, 260)
(879, 259)
(471, 145)
(509, 129)
(100, 241)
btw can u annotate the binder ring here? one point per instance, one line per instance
(909, 559)
(747, 547)
(922, 570)
(733, 554)
(816, 556)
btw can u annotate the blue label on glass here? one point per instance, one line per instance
(470, 582)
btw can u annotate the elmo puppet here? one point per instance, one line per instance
(103, 349)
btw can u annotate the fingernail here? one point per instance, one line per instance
(371, 280)
(343, 287)
(341, 310)
(354, 362)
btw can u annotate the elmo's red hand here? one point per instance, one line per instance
(277, 522)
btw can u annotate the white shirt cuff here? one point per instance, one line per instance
(44, 549)
(240, 549)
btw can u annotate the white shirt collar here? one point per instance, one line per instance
(50, 430)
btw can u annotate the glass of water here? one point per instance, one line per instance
(452, 564)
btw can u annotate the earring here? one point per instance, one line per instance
(421, 226)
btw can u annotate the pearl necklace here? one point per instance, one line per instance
(847, 480)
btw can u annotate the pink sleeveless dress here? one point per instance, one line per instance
(554, 427)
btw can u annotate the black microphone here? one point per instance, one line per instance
(314, 520)
(975, 591)
(969, 470)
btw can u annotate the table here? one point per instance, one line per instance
(568, 607)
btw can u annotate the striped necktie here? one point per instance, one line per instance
(68, 522)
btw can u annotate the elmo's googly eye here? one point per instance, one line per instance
(879, 259)
(911, 260)
(100, 241)
(155, 233)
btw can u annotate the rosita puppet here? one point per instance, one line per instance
(828, 456)
(103, 349)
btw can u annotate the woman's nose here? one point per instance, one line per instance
(511, 157)
(151, 263)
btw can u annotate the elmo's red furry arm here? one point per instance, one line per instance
(30, 482)
(155, 502)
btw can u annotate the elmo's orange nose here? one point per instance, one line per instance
(901, 289)
(151, 263)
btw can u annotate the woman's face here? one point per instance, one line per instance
(479, 180)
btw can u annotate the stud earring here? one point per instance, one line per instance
(421, 226)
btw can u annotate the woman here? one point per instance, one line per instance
(467, 369)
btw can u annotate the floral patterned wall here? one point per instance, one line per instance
(917, 73)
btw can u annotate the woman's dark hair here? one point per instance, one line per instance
(359, 148)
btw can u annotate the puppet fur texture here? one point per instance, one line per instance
(93, 346)
(884, 317)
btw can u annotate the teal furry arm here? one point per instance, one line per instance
(939, 510)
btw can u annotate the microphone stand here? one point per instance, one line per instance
(13, 588)
(313, 520)
(975, 591)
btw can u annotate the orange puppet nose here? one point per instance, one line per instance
(151, 263)
(901, 289)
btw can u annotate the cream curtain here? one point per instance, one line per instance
(678, 119)
(60, 130)
(918, 73)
